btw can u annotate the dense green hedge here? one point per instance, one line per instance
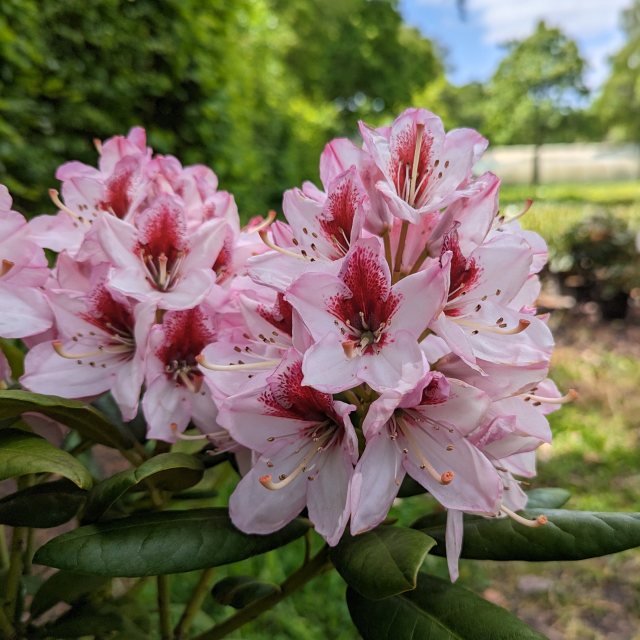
(213, 81)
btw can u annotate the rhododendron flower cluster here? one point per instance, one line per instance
(386, 327)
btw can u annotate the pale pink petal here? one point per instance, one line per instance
(328, 369)
(25, 312)
(375, 483)
(49, 373)
(165, 403)
(453, 541)
(255, 509)
(328, 493)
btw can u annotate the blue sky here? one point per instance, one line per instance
(473, 45)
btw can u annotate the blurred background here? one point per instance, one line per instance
(255, 88)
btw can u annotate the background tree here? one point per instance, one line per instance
(458, 106)
(618, 106)
(536, 91)
(252, 87)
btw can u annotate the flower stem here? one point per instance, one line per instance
(4, 552)
(198, 595)
(6, 628)
(386, 237)
(317, 565)
(421, 258)
(400, 250)
(14, 574)
(163, 607)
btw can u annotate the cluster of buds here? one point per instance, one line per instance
(387, 328)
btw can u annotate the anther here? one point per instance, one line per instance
(265, 224)
(447, 477)
(6, 267)
(55, 198)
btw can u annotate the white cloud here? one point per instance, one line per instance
(507, 19)
(593, 23)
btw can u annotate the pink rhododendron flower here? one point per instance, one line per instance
(388, 326)
(424, 433)
(175, 392)
(366, 329)
(101, 347)
(422, 167)
(158, 260)
(307, 447)
(23, 271)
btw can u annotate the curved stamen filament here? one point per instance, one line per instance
(183, 436)
(55, 198)
(443, 478)
(502, 330)
(504, 220)
(275, 247)
(59, 349)
(267, 364)
(416, 162)
(267, 480)
(188, 382)
(265, 224)
(570, 396)
(538, 522)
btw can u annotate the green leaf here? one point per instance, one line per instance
(382, 562)
(568, 535)
(437, 610)
(240, 591)
(22, 453)
(170, 471)
(64, 586)
(14, 355)
(125, 618)
(87, 421)
(160, 543)
(548, 498)
(43, 505)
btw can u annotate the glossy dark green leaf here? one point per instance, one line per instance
(240, 591)
(568, 535)
(64, 586)
(170, 471)
(122, 619)
(437, 610)
(547, 498)
(89, 422)
(22, 453)
(160, 543)
(382, 562)
(43, 505)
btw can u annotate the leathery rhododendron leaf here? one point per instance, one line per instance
(160, 543)
(23, 453)
(43, 505)
(547, 498)
(170, 471)
(568, 535)
(87, 421)
(437, 610)
(240, 591)
(382, 562)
